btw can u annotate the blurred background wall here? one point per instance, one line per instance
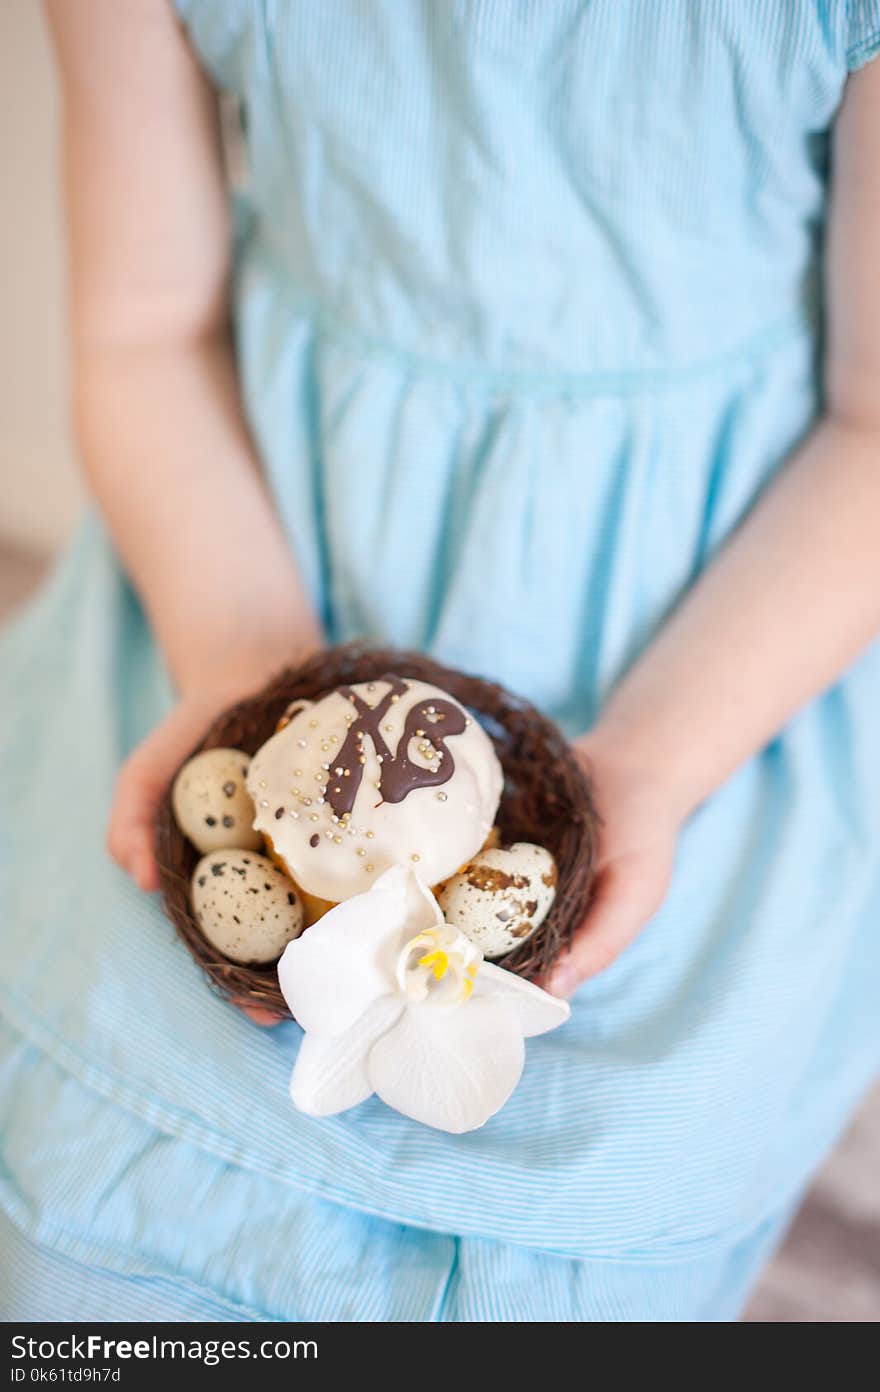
(39, 489)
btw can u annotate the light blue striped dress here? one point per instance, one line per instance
(527, 301)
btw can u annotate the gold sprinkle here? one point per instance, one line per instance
(297, 773)
(441, 797)
(313, 816)
(419, 734)
(370, 835)
(262, 782)
(395, 698)
(390, 729)
(361, 851)
(369, 866)
(306, 802)
(313, 724)
(334, 739)
(415, 856)
(338, 840)
(346, 773)
(362, 759)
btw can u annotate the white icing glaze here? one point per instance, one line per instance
(211, 803)
(433, 830)
(502, 897)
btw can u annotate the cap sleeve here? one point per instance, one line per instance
(221, 34)
(863, 32)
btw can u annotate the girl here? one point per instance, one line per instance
(557, 343)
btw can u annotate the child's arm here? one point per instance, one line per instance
(158, 416)
(787, 605)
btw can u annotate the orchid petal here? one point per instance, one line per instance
(450, 1068)
(333, 972)
(536, 1010)
(421, 907)
(330, 1075)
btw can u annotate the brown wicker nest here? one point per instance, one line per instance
(546, 800)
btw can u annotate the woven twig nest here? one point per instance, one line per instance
(546, 800)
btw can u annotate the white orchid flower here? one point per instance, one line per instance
(394, 1000)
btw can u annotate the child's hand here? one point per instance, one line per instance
(146, 773)
(639, 827)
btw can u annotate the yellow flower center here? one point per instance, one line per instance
(438, 961)
(439, 965)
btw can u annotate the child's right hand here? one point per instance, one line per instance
(145, 775)
(148, 770)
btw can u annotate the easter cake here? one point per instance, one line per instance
(393, 853)
(306, 795)
(369, 776)
(374, 775)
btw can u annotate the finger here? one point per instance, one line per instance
(621, 906)
(259, 1014)
(141, 783)
(144, 870)
(125, 831)
(130, 832)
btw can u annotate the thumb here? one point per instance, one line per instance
(141, 783)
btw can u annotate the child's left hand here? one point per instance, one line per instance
(640, 822)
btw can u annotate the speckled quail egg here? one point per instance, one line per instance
(245, 906)
(211, 803)
(501, 897)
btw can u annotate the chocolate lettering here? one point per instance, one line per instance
(399, 774)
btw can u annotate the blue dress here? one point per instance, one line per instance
(527, 304)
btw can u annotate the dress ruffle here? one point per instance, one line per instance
(80, 1238)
